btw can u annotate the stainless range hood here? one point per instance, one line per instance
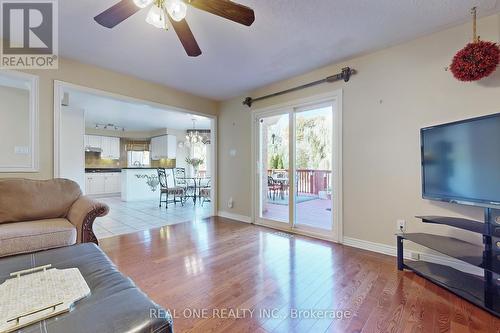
(93, 150)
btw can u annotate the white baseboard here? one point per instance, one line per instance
(407, 254)
(374, 247)
(232, 216)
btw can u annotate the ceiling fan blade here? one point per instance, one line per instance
(117, 13)
(227, 9)
(186, 36)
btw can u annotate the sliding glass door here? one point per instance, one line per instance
(313, 167)
(274, 163)
(302, 141)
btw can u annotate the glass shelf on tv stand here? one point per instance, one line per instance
(470, 253)
(482, 228)
(476, 289)
(483, 291)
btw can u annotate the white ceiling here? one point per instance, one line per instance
(289, 37)
(131, 116)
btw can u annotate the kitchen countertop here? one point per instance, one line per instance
(139, 168)
(102, 170)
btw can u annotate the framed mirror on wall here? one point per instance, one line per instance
(18, 122)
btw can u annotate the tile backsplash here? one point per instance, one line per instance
(164, 163)
(93, 160)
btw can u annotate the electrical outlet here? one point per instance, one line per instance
(401, 225)
(230, 203)
(415, 256)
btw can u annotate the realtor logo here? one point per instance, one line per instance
(29, 34)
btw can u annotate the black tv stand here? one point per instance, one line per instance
(483, 291)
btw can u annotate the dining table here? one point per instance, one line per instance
(197, 185)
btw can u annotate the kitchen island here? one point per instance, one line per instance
(140, 184)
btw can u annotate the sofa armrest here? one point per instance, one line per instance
(82, 214)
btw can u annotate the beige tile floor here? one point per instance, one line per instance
(128, 217)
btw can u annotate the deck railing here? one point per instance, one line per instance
(308, 181)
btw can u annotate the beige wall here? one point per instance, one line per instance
(98, 78)
(14, 125)
(397, 91)
(234, 172)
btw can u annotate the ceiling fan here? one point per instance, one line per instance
(174, 11)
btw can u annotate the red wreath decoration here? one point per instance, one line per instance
(476, 61)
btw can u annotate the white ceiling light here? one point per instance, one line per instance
(177, 9)
(143, 3)
(157, 18)
(110, 127)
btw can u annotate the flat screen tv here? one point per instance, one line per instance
(461, 162)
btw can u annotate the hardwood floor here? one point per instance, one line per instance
(199, 269)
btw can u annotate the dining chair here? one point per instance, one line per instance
(273, 187)
(205, 192)
(168, 188)
(181, 181)
(285, 188)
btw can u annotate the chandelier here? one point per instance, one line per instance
(193, 136)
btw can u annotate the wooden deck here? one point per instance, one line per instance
(204, 269)
(313, 213)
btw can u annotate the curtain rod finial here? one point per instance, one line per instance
(347, 72)
(248, 101)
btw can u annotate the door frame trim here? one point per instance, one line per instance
(337, 96)
(58, 89)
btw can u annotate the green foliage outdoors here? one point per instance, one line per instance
(314, 146)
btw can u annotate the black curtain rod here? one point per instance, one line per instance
(344, 75)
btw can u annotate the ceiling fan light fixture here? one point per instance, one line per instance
(177, 9)
(164, 12)
(157, 18)
(143, 3)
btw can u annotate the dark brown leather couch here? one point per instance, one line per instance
(38, 215)
(114, 305)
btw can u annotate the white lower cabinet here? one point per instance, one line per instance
(94, 183)
(103, 183)
(112, 182)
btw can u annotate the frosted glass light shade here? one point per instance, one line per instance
(177, 9)
(143, 3)
(157, 18)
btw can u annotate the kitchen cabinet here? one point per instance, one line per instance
(110, 146)
(93, 141)
(164, 147)
(112, 182)
(103, 183)
(155, 148)
(171, 147)
(94, 183)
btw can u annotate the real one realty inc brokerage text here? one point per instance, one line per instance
(230, 313)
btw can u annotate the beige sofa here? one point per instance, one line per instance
(43, 214)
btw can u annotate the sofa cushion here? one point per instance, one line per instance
(31, 236)
(27, 200)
